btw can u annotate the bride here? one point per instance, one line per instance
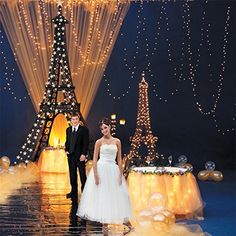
(105, 197)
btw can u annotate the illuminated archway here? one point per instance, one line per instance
(58, 132)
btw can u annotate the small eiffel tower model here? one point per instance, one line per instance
(59, 81)
(143, 133)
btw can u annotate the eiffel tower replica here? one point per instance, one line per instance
(59, 83)
(143, 135)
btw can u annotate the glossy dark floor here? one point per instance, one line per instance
(41, 208)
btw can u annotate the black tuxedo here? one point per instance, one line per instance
(77, 144)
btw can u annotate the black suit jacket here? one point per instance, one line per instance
(82, 141)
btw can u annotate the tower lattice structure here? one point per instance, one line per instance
(143, 134)
(59, 96)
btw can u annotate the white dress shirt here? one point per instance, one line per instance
(75, 128)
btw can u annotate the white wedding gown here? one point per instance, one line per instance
(108, 202)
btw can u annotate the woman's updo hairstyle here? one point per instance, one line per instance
(105, 121)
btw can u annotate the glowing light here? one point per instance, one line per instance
(143, 124)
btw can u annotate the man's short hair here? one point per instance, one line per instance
(75, 114)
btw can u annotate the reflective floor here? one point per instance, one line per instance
(41, 208)
(36, 204)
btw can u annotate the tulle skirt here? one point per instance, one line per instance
(107, 202)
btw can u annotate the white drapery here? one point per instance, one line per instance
(91, 34)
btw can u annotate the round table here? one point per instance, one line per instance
(177, 185)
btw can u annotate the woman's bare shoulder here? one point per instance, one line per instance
(98, 142)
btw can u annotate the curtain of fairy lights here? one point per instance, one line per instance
(91, 34)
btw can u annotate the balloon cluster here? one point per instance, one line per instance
(13, 177)
(182, 162)
(210, 173)
(6, 168)
(156, 215)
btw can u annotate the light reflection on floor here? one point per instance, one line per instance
(41, 208)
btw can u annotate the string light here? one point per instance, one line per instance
(150, 52)
(161, 22)
(28, 148)
(141, 26)
(178, 71)
(49, 98)
(59, 79)
(143, 133)
(9, 74)
(131, 69)
(92, 33)
(193, 68)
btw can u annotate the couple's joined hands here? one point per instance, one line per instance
(82, 158)
(96, 178)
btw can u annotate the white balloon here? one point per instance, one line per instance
(159, 217)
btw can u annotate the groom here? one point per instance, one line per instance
(76, 147)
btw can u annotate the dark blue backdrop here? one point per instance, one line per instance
(181, 128)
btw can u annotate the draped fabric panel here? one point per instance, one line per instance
(91, 34)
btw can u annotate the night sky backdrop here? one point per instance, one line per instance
(161, 51)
